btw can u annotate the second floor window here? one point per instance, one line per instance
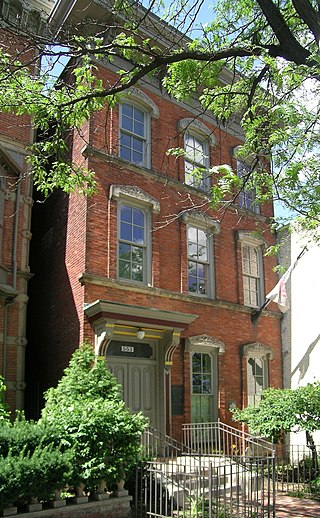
(198, 262)
(196, 162)
(133, 134)
(132, 244)
(252, 275)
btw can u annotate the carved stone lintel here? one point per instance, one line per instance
(257, 350)
(198, 126)
(200, 218)
(205, 342)
(134, 193)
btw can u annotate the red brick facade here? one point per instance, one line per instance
(16, 204)
(76, 260)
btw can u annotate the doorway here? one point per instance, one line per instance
(134, 365)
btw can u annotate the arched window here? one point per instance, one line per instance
(135, 115)
(197, 140)
(257, 358)
(247, 196)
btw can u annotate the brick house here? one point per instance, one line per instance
(17, 19)
(162, 285)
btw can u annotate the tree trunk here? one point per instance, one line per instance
(312, 446)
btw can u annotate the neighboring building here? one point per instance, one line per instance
(146, 271)
(17, 19)
(300, 325)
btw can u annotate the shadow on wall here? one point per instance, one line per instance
(53, 327)
(304, 363)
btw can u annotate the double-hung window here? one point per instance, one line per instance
(251, 271)
(132, 243)
(199, 261)
(201, 387)
(251, 250)
(134, 134)
(257, 379)
(257, 357)
(247, 196)
(196, 161)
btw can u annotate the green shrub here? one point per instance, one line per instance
(86, 411)
(20, 435)
(36, 474)
(4, 413)
(85, 435)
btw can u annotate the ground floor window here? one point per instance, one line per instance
(257, 358)
(202, 387)
(257, 379)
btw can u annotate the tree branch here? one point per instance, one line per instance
(162, 60)
(309, 15)
(289, 47)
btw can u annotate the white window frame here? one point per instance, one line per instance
(251, 275)
(145, 247)
(255, 246)
(207, 264)
(145, 138)
(141, 101)
(247, 197)
(199, 176)
(197, 129)
(257, 353)
(133, 196)
(211, 227)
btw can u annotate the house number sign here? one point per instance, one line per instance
(127, 349)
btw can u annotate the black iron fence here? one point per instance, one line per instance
(297, 471)
(230, 475)
(206, 488)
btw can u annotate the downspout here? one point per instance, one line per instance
(10, 301)
(15, 235)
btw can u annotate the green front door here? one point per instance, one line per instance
(202, 390)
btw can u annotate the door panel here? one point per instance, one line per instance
(138, 381)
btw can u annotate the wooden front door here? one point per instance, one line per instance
(135, 368)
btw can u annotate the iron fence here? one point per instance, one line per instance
(205, 487)
(219, 438)
(232, 475)
(297, 471)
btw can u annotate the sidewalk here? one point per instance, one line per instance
(287, 506)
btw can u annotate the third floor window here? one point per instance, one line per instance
(134, 134)
(196, 162)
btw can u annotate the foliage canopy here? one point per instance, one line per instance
(283, 410)
(254, 61)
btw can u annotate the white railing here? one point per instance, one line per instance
(156, 444)
(217, 438)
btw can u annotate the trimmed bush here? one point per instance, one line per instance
(36, 474)
(87, 413)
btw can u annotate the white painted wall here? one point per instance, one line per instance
(301, 324)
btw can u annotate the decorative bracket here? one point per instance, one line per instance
(171, 347)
